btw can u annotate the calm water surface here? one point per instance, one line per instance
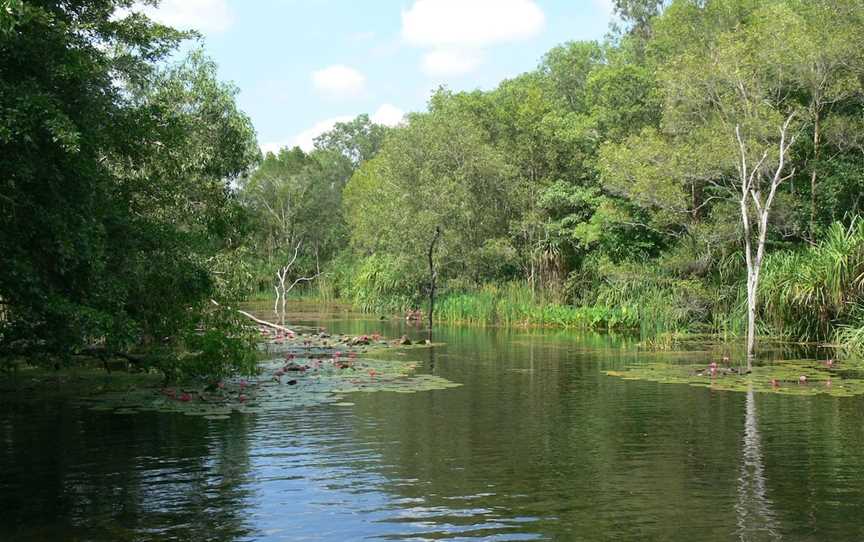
(537, 445)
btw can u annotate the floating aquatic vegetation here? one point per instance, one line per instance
(796, 377)
(323, 344)
(309, 371)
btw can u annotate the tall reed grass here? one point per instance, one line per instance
(514, 304)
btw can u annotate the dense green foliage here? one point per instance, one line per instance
(606, 178)
(599, 189)
(115, 172)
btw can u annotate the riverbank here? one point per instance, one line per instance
(491, 305)
(515, 305)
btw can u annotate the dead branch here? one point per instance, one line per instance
(258, 320)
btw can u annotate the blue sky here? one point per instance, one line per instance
(303, 64)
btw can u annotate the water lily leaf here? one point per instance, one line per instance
(794, 377)
(304, 371)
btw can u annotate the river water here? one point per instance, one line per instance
(538, 444)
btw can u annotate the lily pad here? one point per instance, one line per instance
(307, 372)
(794, 377)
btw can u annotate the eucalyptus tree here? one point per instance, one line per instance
(357, 140)
(727, 85)
(637, 17)
(275, 194)
(567, 68)
(295, 199)
(758, 185)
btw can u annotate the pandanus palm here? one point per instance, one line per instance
(808, 292)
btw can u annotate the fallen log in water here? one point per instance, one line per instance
(258, 320)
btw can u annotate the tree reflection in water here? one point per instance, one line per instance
(756, 519)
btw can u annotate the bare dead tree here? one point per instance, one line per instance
(283, 288)
(754, 203)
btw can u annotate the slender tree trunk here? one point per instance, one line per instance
(816, 145)
(531, 273)
(284, 297)
(432, 277)
(752, 197)
(752, 280)
(752, 300)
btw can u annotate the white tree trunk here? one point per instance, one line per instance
(753, 201)
(282, 289)
(752, 300)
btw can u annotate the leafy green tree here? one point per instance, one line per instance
(636, 24)
(436, 171)
(819, 61)
(674, 179)
(357, 140)
(639, 13)
(115, 170)
(567, 68)
(622, 98)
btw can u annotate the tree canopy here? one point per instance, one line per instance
(116, 162)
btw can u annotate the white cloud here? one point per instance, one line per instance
(471, 23)
(204, 15)
(449, 62)
(388, 115)
(306, 139)
(339, 81)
